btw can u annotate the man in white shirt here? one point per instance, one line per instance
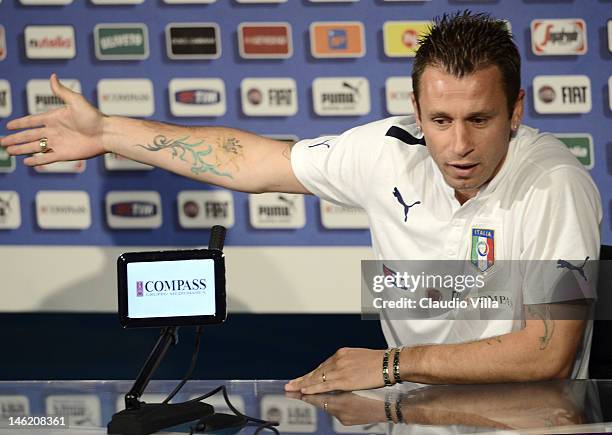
(481, 179)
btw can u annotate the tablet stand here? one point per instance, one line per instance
(140, 418)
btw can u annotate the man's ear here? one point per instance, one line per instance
(517, 112)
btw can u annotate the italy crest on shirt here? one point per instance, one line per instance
(483, 248)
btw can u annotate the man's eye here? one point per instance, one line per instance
(440, 121)
(479, 121)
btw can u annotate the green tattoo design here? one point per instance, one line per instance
(181, 148)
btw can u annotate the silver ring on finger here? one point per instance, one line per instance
(325, 406)
(324, 377)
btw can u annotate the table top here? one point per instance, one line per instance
(571, 406)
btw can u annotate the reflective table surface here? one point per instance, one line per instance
(85, 407)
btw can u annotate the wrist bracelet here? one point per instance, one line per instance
(385, 368)
(398, 410)
(396, 372)
(388, 410)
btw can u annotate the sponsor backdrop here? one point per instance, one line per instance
(289, 69)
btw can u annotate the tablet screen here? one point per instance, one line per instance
(171, 288)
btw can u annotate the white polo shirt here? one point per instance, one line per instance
(541, 205)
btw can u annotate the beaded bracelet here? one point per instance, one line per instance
(385, 368)
(396, 372)
(398, 410)
(388, 409)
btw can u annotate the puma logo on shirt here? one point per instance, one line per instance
(399, 198)
(562, 264)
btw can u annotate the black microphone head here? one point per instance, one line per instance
(217, 237)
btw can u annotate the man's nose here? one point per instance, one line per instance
(463, 143)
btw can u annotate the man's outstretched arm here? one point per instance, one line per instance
(543, 350)
(225, 157)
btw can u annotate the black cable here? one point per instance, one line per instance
(207, 395)
(269, 426)
(194, 360)
(263, 424)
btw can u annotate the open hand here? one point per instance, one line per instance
(73, 132)
(347, 370)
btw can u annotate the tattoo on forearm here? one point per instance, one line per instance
(228, 149)
(549, 325)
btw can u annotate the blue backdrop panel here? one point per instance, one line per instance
(83, 15)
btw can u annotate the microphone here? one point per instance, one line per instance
(217, 237)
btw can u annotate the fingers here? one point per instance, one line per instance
(40, 159)
(22, 137)
(30, 121)
(316, 377)
(323, 387)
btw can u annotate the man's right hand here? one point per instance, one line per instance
(73, 132)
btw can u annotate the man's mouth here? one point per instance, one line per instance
(463, 169)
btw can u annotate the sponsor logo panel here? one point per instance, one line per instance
(337, 39)
(2, 42)
(50, 42)
(269, 96)
(398, 92)
(562, 94)
(121, 41)
(7, 162)
(6, 99)
(40, 97)
(581, 146)
(75, 166)
(293, 416)
(197, 97)
(204, 209)
(401, 38)
(338, 217)
(265, 40)
(277, 211)
(133, 210)
(63, 210)
(79, 409)
(13, 405)
(115, 162)
(193, 41)
(10, 210)
(335, 96)
(558, 37)
(127, 97)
